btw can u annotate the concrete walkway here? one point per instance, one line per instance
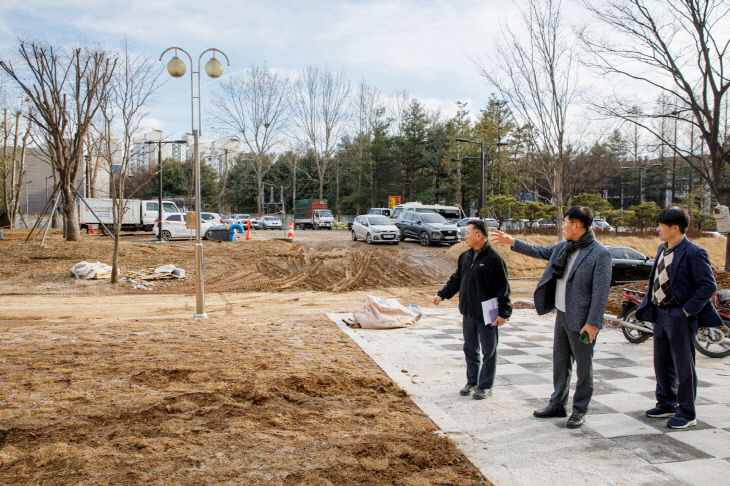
(618, 445)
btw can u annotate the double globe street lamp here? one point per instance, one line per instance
(213, 68)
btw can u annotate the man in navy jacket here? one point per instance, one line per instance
(681, 285)
(481, 275)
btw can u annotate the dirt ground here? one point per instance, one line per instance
(108, 384)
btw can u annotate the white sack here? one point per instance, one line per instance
(87, 270)
(381, 313)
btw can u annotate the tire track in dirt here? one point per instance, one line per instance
(323, 269)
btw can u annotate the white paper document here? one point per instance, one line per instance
(490, 311)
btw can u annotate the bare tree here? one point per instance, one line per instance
(224, 167)
(679, 48)
(319, 108)
(12, 161)
(131, 89)
(536, 75)
(398, 107)
(254, 105)
(66, 90)
(291, 158)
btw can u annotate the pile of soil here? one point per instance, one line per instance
(247, 266)
(325, 269)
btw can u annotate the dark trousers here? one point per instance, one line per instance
(476, 334)
(674, 362)
(566, 349)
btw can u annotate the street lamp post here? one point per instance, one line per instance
(481, 164)
(159, 182)
(641, 169)
(214, 69)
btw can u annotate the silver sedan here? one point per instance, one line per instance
(375, 229)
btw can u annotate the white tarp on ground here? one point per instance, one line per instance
(88, 270)
(382, 313)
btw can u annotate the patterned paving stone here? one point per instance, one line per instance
(617, 445)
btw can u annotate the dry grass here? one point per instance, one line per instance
(524, 266)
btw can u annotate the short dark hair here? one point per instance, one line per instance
(674, 215)
(480, 225)
(582, 214)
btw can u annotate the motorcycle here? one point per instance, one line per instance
(710, 341)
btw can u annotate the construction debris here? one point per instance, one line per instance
(98, 270)
(160, 273)
(138, 284)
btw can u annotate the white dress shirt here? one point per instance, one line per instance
(560, 284)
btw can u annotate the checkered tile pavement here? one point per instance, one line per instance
(617, 445)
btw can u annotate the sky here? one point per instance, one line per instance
(424, 47)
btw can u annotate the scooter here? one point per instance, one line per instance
(710, 341)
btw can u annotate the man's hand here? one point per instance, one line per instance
(496, 236)
(499, 321)
(591, 330)
(437, 300)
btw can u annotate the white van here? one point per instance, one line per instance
(451, 213)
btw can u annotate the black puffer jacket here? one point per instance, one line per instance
(479, 280)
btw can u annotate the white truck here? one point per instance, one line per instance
(312, 213)
(140, 215)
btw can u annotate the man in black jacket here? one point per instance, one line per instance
(481, 275)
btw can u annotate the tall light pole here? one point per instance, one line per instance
(214, 69)
(159, 181)
(481, 169)
(481, 164)
(641, 169)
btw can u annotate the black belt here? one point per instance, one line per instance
(667, 306)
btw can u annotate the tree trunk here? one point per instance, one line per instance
(115, 253)
(259, 200)
(70, 213)
(723, 198)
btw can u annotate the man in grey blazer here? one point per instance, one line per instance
(576, 283)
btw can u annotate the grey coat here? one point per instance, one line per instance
(586, 290)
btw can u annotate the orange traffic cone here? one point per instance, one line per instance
(248, 229)
(290, 233)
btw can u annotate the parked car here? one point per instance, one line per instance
(211, 218)
(427, 228)
(628, 265)
(461, 224)
(236, 218)
(543, 223)
(600, 224)
(380, 211)
(510, 224)
(174, 227)
(375, 229)
(451, 213)
(269, 222)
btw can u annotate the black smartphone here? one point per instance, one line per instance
(584, 338)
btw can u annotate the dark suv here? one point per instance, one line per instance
(427, 228)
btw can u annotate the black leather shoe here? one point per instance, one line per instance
(576, 420)
(549, 411)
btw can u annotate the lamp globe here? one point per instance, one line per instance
(176, 67)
